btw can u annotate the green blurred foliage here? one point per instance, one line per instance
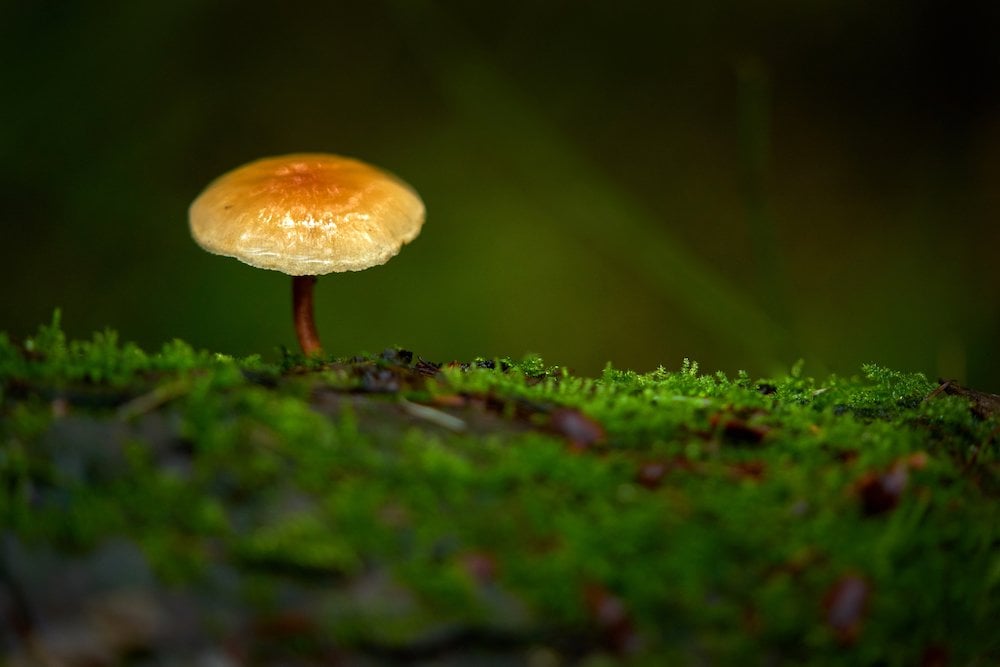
(740, 183)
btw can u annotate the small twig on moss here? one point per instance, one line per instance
(443, 419)
(152, 400)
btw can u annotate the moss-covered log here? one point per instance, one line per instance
(187, 508)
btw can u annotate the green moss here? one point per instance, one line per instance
(670, 515)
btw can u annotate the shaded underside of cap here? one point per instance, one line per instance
(307, 214)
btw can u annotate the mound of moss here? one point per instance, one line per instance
(188, 508)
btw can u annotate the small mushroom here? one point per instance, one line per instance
(307, 214)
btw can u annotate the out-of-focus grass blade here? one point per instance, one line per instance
(545, 166)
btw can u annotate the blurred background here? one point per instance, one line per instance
(741, 183)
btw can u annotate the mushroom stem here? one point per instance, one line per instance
(302, 311)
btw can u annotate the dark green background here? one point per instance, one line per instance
(742, 183)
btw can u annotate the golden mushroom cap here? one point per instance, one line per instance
(307, 214)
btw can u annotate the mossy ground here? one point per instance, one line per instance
(184, 507)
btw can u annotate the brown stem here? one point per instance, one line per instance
(302, 311)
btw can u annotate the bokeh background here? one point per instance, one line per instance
(741, 183)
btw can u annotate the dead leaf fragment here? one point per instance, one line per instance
(844, 606)
(581, 431)
(612, 618)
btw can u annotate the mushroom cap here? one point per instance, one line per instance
(307, 214)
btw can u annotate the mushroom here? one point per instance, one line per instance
(306, 214)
